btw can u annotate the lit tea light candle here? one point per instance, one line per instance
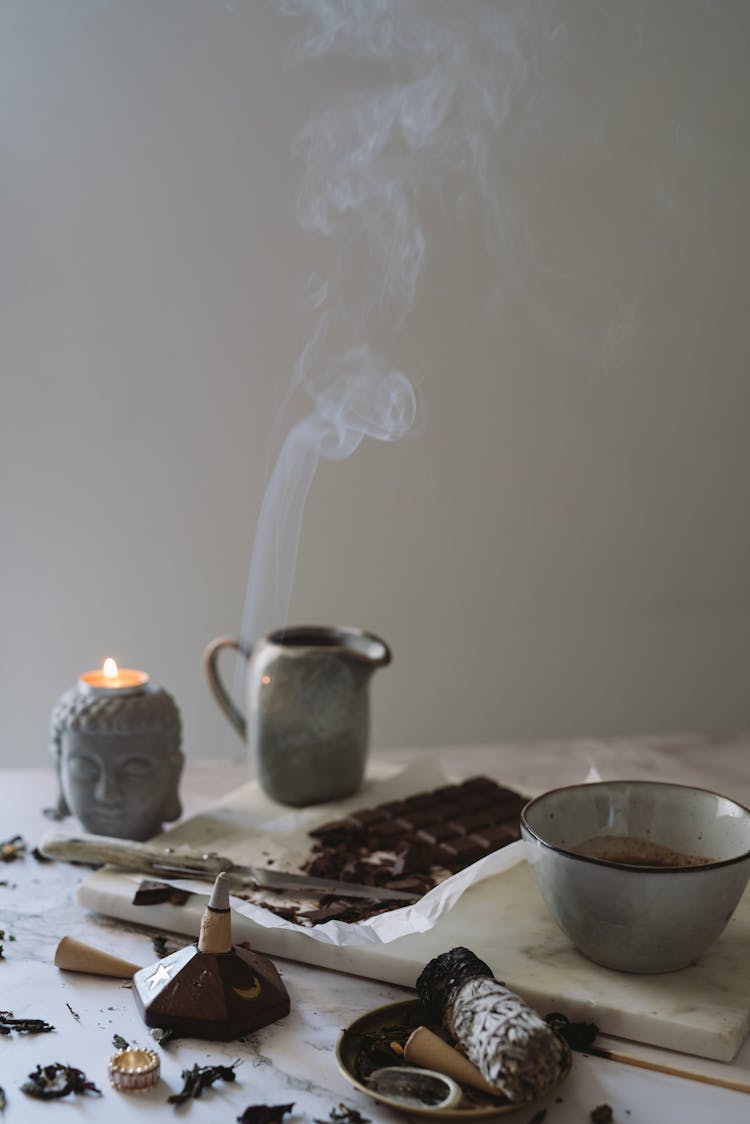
(116, 738)
(133, 1070)
(111, 679)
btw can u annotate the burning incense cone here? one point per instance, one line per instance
(425, 1049)
(212, 989)
(216, 923)
(75, 956)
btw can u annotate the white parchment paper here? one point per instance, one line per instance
(248, 828)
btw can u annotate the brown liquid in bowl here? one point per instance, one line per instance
(631, 851)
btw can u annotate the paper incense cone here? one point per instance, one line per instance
(426, 1049)
(75, 956)
(216, 923)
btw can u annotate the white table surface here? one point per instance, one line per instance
(292, 1060)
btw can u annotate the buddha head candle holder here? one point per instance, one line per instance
(116, 740)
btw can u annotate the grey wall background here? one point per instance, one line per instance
(560, 547)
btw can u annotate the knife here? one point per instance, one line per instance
(172, 862)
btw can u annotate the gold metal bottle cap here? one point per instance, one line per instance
(133, 1070)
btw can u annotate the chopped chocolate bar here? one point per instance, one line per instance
(412, 843)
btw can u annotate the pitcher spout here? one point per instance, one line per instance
(349, 643)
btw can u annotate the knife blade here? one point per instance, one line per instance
(173, 862)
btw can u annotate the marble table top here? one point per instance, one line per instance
(292, 1061)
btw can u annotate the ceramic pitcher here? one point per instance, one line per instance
(307, 706)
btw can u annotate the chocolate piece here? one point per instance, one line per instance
(155, 893)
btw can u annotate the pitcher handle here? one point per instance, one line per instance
(220, 693)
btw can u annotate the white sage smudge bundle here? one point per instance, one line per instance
(510, 1044)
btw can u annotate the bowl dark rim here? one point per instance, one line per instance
(703, 868)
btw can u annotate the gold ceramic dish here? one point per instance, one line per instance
(409, 1013)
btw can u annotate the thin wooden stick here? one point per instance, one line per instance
(740, 1086)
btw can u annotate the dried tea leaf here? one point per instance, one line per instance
(159, 943)
(75, 1014)
(119, 1042)
(602, 1114)
(344, 1115)
(52, 1082)
(22, 1026)
(201, 1077)
(579, 1036)
(163, 1034)
(3, 1099)
(264, 1113)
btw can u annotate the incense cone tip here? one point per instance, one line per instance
(220, 894)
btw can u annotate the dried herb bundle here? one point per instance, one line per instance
(12, 849)
(264, 1113)
(22, 1026)
(50, 1082)
(202, 1077)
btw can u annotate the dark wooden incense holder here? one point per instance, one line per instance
(212, 989)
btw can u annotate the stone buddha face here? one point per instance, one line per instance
(122, 786)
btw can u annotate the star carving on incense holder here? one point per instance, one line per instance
(160, 976)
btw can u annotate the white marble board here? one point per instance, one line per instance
(702, 1010)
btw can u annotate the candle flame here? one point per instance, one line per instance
(109, 668)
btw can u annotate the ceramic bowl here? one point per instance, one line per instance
(642, 876)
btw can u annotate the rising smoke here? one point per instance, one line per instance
(448, 75)
(454, 97)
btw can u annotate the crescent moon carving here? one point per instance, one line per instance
(248, 992)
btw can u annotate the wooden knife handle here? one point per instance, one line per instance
(129, 855)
